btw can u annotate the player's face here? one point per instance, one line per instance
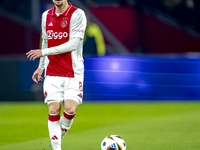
(59, 2)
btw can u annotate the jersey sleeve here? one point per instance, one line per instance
(44, 39)
(69, 46)
(43, 25)
(78, 24)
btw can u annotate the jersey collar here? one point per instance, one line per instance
(64, 13)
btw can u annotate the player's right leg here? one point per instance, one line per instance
(54, 125)
(54, 97)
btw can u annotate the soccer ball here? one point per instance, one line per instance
(113, 142)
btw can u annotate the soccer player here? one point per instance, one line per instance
(63, 29)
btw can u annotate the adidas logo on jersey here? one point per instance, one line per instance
(51, 24)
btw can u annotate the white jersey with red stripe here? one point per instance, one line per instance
(62, 42)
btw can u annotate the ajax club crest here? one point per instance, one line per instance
(64, 23)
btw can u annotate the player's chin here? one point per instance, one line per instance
(58, 2)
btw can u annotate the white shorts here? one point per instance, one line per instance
(59, 89)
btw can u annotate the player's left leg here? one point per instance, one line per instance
(73, 92)
(67, 118)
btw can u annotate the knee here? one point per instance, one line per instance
(70, 106)
(54, 109)
(70, 109)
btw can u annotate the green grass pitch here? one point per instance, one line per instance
(143, 126)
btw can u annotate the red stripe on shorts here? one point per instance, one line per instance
(54, 117)
(68, 116)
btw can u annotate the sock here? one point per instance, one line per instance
(66, 122)
(55, 131)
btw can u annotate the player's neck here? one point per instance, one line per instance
(61, 9)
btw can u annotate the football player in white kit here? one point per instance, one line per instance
(63, 29)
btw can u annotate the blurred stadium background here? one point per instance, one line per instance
(152, 49)
(152, 54)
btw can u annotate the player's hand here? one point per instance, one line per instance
(37, 75)
(33, 54)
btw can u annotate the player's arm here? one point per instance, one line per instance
(37, 75)
(69, 46)
(42, 58)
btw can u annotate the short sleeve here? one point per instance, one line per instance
(78, 24)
